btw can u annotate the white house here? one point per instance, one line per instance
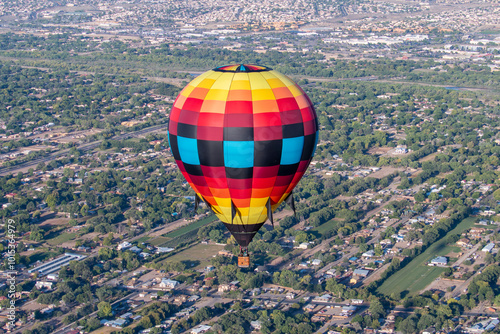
(168, 283)
(439, 261)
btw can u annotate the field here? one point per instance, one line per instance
(198, 255)
(326, 226)
(191, 227)
(416, 275)
(61, 238)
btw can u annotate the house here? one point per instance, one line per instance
(361, 272)
(369, 254)
(257, 325)
(488, 248)
(44, 285)
(200, 329)
(439, 261)
(160, 250)
(124, 245)
(168, 283)
(323, 299)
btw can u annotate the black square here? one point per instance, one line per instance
(308, 149)
(286, 170)
(172, 139)
(186, 130)
(238, 134)
(193, 169)
(211, 153)
(267, 153)
(293, 130)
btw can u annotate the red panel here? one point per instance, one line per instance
(286, 104)
(303, 166)
(172, 127)
(214, 183)
(189, 117)
(204, 191)
(239, 184)
(192, 104)
(267, 119)
(239, 107)
(180, 164)
(174, 115)
(264, 182)
(238, 120)
(291, 117)
(278, 191)
(211, 119)
(307, 114)
(309, 127)
(283, 180)
(241, 194)
(199, 180)
(268, 133)
(215, 173)
(263, 172)
(210, 133)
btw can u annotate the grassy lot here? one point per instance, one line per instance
(143, 239)
(416, 275)
(326, 226)
(191, 227)
(199, 255)
(158, 241)
(61, 238)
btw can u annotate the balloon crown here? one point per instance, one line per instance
(242, 68)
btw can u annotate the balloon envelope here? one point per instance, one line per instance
(242, 136)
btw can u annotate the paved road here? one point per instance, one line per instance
(84, 147)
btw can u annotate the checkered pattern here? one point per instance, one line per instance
(242, 135)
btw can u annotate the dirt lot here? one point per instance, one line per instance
(384, 171)
(442, 284)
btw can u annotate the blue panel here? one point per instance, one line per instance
(292, 150)
(315, 144)
(238, 154)
(188, 150)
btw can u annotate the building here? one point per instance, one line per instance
(200, 329)
(124, 245)
(168, 283)
(439, 261)
(56, 264)
(44, 285)
(488, 248)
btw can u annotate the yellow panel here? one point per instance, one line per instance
(286, 80)
(223, 202)
(257, 81)
(196, 81)
(268, 75)
(240, 84)
(206, 83)
(240, 76)
(223, 81)
(253, 218)
(187, 90)
(295, 91)
(217, 94)
(226, 212)
(275, 83)
(258, 202)
(262, 94)
(222, 218)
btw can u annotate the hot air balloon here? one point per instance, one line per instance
(243, 136)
